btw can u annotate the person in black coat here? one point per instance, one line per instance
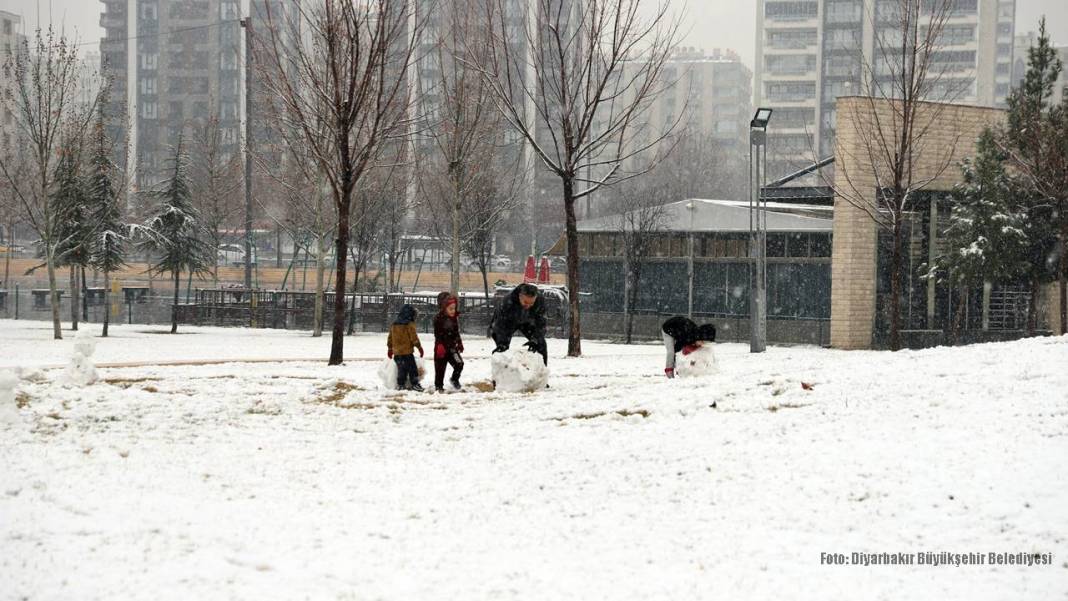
(521, 311)
(682, 334)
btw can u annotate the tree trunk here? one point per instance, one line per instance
(189, 287)
(454, 284)
(85, 297)
(320, 279)
(1062, 273)
(628, 316)
(895, 290)
(107, 299)
(484, 268)
(1032, 308)
(174, 307)
(958, 316)
(74, 298)
(574, 336)
(7, 256)
(337, 344)
(53, 293)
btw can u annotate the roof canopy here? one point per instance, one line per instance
(726, 216)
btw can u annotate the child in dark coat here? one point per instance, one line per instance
(681, 334)
(447, 343)
(401, 344)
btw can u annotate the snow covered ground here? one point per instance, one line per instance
(285, 480)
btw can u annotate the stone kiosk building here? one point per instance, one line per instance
(860, 270)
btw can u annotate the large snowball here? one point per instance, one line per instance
(9, 411)
(701, 362)
(519, 370)
(80, 370)
(387, 372)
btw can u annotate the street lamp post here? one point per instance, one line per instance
(691, 207)
(758, 232)
(247, 24)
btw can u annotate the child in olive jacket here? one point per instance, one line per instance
(447, 342)
(400, 346)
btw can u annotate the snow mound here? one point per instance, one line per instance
(519, 370)
(80, 370)
(9, 411)
(387, 372)
(701, 362)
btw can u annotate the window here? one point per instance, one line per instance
(228, 60)
(842, 12)
(229, 111)
(7, 27)
(790, 91)
(791, 64)
(791, 38)
(149, 12)
(228, 10)
(229, 135)
(148, 86)
(150, 61)
(789, 11)
(149, 110)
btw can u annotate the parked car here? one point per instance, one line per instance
(234, 254)
(502, 262)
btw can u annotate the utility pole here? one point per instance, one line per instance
(247, 24)
(758, 232)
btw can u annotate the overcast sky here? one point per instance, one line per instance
(710, 23)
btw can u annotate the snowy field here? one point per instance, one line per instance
(294, 480)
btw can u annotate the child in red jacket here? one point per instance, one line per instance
(447, 343)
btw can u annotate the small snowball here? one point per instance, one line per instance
(387, 372)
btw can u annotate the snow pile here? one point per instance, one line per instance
(387, 372)
(9, 411)
(80, 370)
(701, 362)
(519, 370)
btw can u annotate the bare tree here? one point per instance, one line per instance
(353, 62)
(216, 183)
(462, 123)
(638, 220)
(41, 99)
(588, 71)
(893, 121)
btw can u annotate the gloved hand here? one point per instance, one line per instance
(420, 350)
(500, 348)
(389, 353)
(686, 350)
(532, 346)
(439, 351)
(669, 372)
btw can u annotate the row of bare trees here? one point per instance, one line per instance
(572, 81)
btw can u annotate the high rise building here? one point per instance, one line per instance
(1022, 45)
(171, 64)
(810, 52)
(715, 92)
(11, 41)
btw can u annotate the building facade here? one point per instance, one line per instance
(11, 41)
(810, 52)
(170, 64)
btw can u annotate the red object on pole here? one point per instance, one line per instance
(543, 271)
(529, 275)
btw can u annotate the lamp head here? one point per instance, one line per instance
(761, 118)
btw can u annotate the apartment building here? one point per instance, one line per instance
(810, 52)
(171, 62)
(11, 40)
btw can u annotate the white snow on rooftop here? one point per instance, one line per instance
(727, 216)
